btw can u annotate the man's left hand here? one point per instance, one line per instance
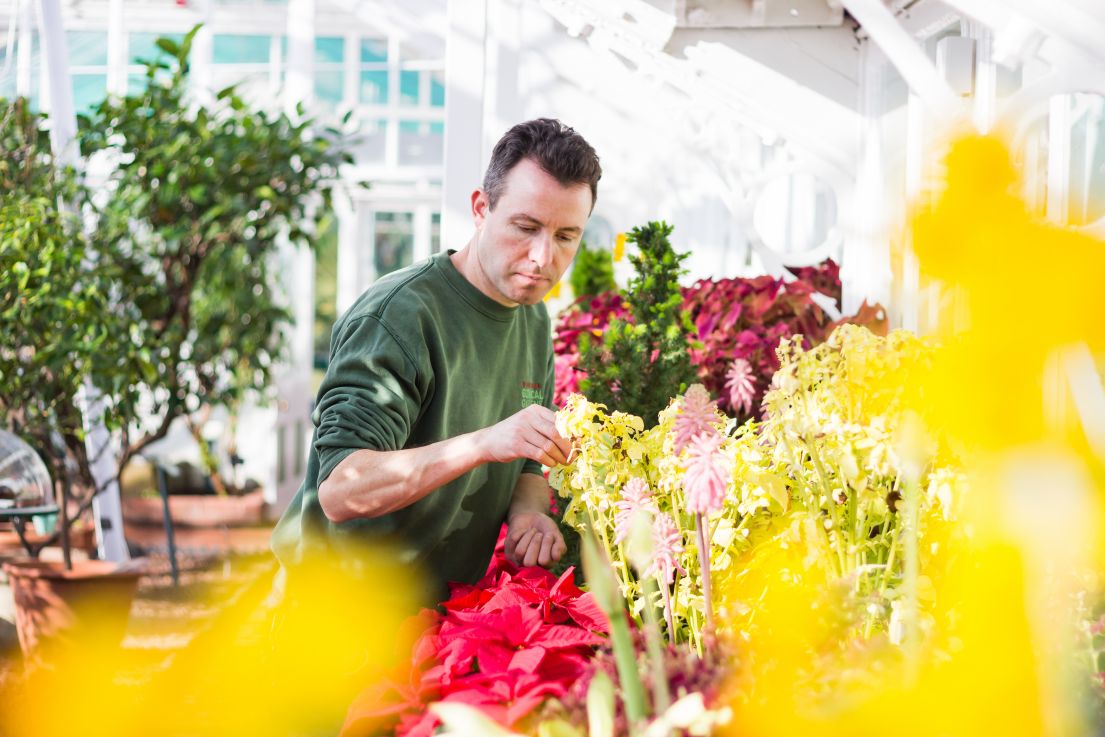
(533, 538)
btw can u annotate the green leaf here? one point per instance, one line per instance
(168, 45)
(600, 706)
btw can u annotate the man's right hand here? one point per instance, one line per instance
(530, 433)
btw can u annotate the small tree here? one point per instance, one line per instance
(201, 198)
(592, 272)
(642, 362)
(58, 321)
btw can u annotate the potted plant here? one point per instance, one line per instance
(201, 199)
(59, 325)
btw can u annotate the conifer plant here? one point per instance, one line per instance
(641, 362)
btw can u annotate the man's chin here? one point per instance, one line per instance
(528, 296)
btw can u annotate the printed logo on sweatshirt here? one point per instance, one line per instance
(532, 394)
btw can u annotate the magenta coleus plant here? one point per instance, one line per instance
(738, 325)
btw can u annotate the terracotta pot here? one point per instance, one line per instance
(58, 610)
(198, 510)
(81, 537)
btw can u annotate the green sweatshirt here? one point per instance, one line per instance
(422, 356)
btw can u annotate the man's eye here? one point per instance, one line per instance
(565, 238)
(527, 229)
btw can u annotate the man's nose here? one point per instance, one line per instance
(541, 250)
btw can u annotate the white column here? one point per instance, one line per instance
(502, 105)
(299, 78)
(986, 79)
(276, 63)
(865, 268)
(116, 50)
(293, 385)
(106, 507)
(348, 287)
(23, 58)
(1058, 158)
(351, 68)
(464, 93)
(201, 56)
(909, 315)
(391, 133)
(422, 216)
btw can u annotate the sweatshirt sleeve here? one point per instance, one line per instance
(531, 466)
(370, 397)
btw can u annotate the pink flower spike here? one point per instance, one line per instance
(704, 481)
(697, 415)
(740, 382)
(635, 496)
(667, 540)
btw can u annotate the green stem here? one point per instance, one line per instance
(911, 560)
(701, 525)
(661, 696)
(668, 614)
(633, 691)
(834, 513)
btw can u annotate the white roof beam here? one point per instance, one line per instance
(1080, 26)
(902, 50)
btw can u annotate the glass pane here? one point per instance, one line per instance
(89, 90)
(329, 49)
(1087, 158)
(7, 80)
(374, 50)
(408, 88)
(795, 212)
(420, 144)
(253, 86)
(144, 45)
(87, 48)
(1033, 163)
(328, 89)
(374, 88)
(370, 141)
(435, 232)
(394, 241)
(240, 49)
(136, 84)
(437, 89)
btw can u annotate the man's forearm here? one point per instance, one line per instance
(531, 494)
(371, 483)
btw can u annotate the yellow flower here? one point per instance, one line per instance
(619, 247)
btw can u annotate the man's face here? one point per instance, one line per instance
(525, 244)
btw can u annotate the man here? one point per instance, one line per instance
(434, 416)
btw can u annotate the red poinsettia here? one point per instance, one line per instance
(516, 638)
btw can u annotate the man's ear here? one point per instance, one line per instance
(481, 205)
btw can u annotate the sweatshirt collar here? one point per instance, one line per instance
(469, 292)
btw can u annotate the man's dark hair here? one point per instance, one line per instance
(553, 146)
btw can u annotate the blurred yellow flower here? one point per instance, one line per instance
(619, 247)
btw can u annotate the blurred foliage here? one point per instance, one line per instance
(326, 292)
(59, 319)
(641, 363)
(592, 271)
(201, 198)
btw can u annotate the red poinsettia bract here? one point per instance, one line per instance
(516, 638)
